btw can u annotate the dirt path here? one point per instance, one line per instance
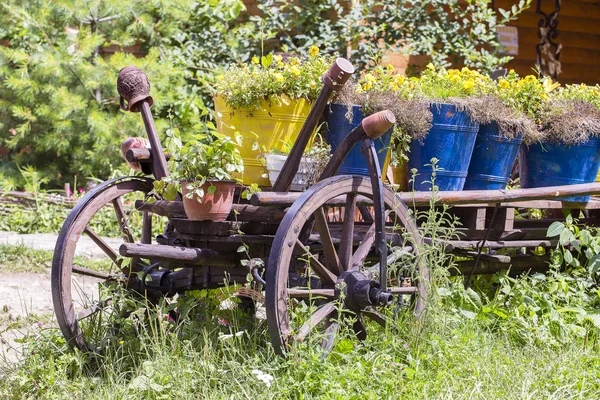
(27, 297)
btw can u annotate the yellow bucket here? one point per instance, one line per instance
(274, 127)
(399, 173)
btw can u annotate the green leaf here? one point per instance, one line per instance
(171, 191)
(555, 229)
(568, 257)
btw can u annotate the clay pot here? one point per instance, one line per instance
(214, 207)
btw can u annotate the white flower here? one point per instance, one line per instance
(229, 336)
(266, 378)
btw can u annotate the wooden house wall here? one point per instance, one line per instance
(579, 35)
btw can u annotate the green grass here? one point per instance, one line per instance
(527, 342)
(449, 358)
(23, 259)
(19, 258)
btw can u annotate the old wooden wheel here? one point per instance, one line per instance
(87, 298)
(320, 270)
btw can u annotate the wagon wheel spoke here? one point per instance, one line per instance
(311, 293)
(89, 272)
(378, 317)
(365, 213)
(345, 249)
(325, 274)
(330, 334)
(359, 256)
(122, 220)
(359, 328)
(332, 261)
(103, 245)
(146, 228)
(315, 319)
(93, 309)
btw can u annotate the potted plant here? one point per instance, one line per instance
(267, 101)
(569, 149)
(507, 118)
(311, 165)
(380, 89)
(203, 167)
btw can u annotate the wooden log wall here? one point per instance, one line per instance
(579, 35)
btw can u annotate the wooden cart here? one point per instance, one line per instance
(326, 250)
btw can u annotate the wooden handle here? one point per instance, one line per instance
(338, 74)
(134, 87)
(379, 123)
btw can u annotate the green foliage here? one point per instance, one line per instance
(203, 159)
(272, 79)
(450, 31)
(59, 107)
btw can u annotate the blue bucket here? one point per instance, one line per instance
(550, 164)
(338, 126)
(492, 159)
(450, 140)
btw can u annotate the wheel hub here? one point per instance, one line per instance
(359, 292)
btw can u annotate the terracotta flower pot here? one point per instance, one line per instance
(214, 207)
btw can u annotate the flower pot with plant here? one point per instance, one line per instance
(311, 165)
(569, 150)
(453, 97)
(204, 167)
(507, 118)
(267, 101)
(380, 89)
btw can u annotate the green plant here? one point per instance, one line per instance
(572, 114)
(59, 109)
(272, 78)
(449, 31)
(204, 159)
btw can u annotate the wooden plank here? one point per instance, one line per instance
(569, 55)
(566, 23)
(223, 228)
(528, 36)
(456, 197)
(571, 8)
(471, 218)
(187, 255)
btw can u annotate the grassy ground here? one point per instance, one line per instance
(453, 359)
(451, 354)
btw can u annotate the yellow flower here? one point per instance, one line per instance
(394, 86)
(255, 60)
(367, 86)
(313, 84)
(431, 66)
(468, 84)
(399, 79)
(503, 83)
(277, 58)
(220, 77)
(530, 79)
(295, 70)
(278, 77)
(280, 65)
(294, 61)
(549, 85)
(390, 68)
(121, 342)
(313, 51)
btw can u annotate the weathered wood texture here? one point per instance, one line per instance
(489, 197)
